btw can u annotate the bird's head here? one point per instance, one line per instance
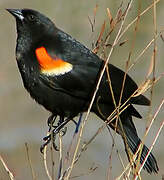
(32, 22)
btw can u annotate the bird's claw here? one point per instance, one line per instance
(63, 131)
(59, 128)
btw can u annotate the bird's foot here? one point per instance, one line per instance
(47, 140)
(51, 121)
(53, 132)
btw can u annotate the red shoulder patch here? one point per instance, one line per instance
(51, 66)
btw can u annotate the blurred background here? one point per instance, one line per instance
(22, 120)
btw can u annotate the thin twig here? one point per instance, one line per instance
(151, 68)
(68, 171)
(73, 138)
(91, 170)
(123, 83)
(51, 150)
(144, 50)
(7, 169)
(127, 176)
(95, 92)
(30, 163)
(154, 141)
(60, 156)
(129, 25)
(135, 155)
(45, 160)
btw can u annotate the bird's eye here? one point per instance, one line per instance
(31, 17)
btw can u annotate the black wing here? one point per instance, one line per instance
(81, 80)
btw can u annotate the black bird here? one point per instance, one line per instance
(60, 73)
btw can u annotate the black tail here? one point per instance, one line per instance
(133, 142)
(132, 139)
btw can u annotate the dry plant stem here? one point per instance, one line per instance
(95, 92)
(125, 169)
(133, 95)
(113, 22)
(151, 68)
(122, 89)
(135, 155)
(91, 170)
(45, 160)
(126, 70)
(119, 156)
(94, 22)
(135, 61)
(118, 109)
(102, 127)
(92, 25)
(73, 139)
(123, 107)
(154, 141)
(131, 24)
(30, 163)
(126, 175)
(155, 115)
(155, 46)
(154, 50)
(128, 167)
(128, 26)
(113, 98)
(84, 147)
(52, 162)
(129, 57)
(144, 50)
(109, 172)
(139, 148)
(52, 157)
(7, 169)
(60, 156)
(69, 150)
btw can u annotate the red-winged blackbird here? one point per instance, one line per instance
(60, 73)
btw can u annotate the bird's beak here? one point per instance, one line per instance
(17, 13)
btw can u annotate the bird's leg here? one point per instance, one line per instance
(55, 131)
(74, 121)
(51, 121)
(78, 123)
(61, 124)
